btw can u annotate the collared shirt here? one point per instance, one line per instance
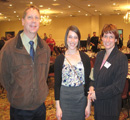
(25, 41)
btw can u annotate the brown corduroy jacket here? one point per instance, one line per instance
(24, 80)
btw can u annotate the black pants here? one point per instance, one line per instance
(106, 118)
(101, 117)
(38, 114)
(94, 49)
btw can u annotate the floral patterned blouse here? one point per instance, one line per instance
(69, 77)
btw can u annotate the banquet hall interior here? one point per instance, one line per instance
(88, 15)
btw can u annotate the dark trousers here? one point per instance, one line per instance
(106, 118)
(38, 114)
(94, 49)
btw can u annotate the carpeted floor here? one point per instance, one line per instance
(50, 106)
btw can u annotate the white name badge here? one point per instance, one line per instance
(79, 65)
(107, 64)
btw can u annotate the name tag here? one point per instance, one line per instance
(107, 64)
(80, 65)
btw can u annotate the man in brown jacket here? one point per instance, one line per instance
(23, 73)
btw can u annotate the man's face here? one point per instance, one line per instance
(31, 21)
(94, 34)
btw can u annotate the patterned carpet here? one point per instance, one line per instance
(50, 106)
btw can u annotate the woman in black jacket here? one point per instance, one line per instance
(110, 71)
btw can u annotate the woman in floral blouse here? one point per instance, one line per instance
(72, 71)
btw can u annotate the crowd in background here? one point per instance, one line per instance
(93, 43)
(4, 39)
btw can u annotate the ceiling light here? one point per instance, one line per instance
(89, 5)
(40, 5)
(86, 14)
(31, 2)
(127, 17)
(14, 11)
(49, 8)
(46, 11)
(5, 17)
(10, 5)
(54, 0)
(79, 11)
(95, 10)
(70, 15)
(45, 20)
(69, 6)
(8, 19)
(56, 4)
(114, 3)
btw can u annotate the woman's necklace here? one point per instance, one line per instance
(71, 53)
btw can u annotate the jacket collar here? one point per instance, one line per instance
(98, 71)
(112, 53)
(19, 44)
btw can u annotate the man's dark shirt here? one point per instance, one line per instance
(94, 40)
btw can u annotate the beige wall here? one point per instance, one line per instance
(58, 26)
(95, 25)
(10, 26)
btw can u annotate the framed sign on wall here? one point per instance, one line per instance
(120, 31)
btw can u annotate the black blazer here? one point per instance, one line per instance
(109, 82)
